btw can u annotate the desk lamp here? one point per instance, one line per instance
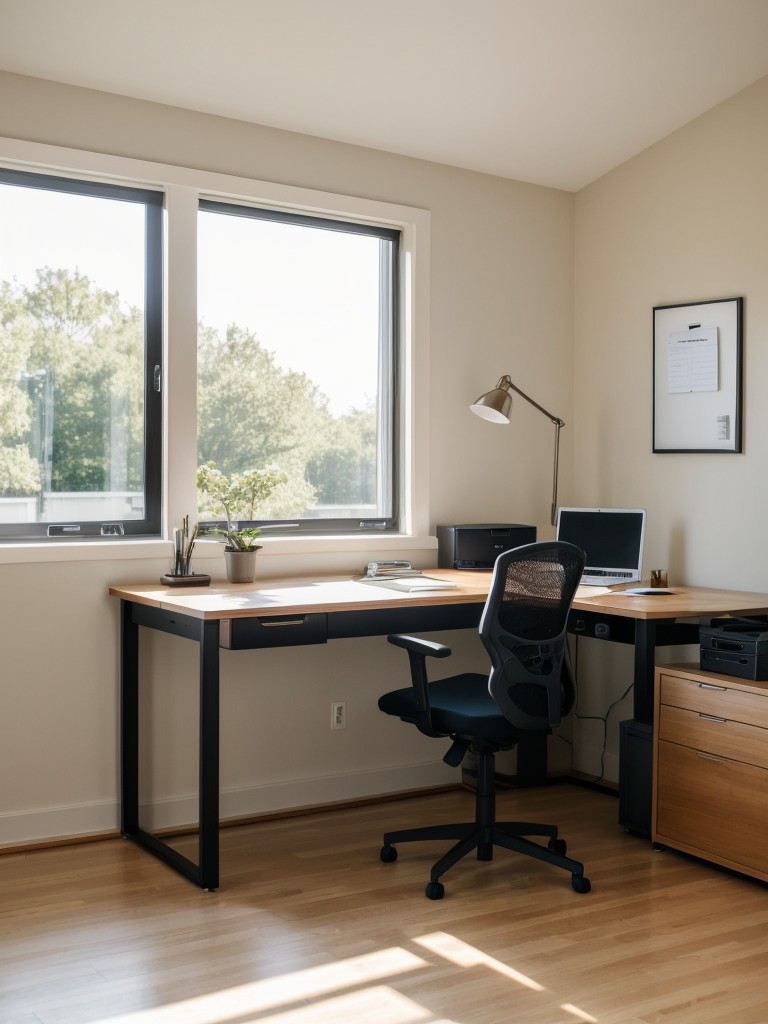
(496, 406)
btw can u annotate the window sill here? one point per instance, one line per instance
(368, 547)
(83, 551)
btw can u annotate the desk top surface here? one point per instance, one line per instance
(303, 596)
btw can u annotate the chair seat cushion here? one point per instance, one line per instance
(461, 705)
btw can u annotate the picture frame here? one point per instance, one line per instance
(697, 376)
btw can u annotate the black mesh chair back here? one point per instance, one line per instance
(523, 629)
(527, 692)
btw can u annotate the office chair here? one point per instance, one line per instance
(523, 629)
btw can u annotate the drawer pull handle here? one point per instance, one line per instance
(711, 757)
(711, 686)
(712, 718)
(282, 622)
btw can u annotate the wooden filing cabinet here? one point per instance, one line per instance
(710, 777)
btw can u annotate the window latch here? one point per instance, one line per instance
(157, 379)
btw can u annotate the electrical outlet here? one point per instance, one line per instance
(338, 715)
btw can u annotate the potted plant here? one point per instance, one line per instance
(236, 497)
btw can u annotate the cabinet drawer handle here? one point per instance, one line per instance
(267, 623)
(710, 757)
(712, 686)
(712, 718)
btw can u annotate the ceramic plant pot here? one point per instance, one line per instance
(241, 565)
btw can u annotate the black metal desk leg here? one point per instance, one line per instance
(129, 720)
(209, 756)
(645, 658)
(205, 872)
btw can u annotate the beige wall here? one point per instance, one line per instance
(686, 220)
(501, 302)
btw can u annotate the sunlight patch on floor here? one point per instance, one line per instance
(464, 955)
(579, 1014)
(341, 992)
(258, 997)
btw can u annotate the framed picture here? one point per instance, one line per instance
(697, 371)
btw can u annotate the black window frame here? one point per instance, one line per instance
(388, 413)
(151, 524)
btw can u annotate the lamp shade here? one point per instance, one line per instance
(494, 406)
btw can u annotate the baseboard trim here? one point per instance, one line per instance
(30, 830)
(251, 819)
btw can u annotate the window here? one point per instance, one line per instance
(297, 353)
(104, 290)
(80, 344)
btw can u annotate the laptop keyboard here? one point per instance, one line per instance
(603, 578)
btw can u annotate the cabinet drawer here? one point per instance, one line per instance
(716, 699)
(714, 807)
(714, 735)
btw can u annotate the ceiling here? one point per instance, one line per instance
(556, 92)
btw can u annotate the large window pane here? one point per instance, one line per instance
(296, 359)
(79, 341)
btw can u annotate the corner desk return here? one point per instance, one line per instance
(290, 612)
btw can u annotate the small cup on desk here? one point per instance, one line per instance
(659, 578)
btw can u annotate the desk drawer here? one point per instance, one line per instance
(715, 698)
(411, 619)
(273, 631)
(714, 735)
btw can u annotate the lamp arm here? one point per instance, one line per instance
(506, 382)
(553, 515)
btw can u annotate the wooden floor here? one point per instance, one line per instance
(309, 927)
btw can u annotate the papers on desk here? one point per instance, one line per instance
(411, 583)
(585, 591)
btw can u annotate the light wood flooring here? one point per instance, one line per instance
(309, 927)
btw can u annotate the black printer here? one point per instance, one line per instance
(735, 647)
(478, 545)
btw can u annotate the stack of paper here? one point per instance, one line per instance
(412, 583)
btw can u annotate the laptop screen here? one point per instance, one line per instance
(612, 539)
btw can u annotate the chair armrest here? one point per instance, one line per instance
(418, 652)
(427, 648)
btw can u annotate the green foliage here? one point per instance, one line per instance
(237, 497)
(242, 540)
(75, 337)
(19, 472)
(67, 343)
(344, 465)
(95, 352)
(248, 408)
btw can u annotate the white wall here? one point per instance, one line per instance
(501, 302)
(684, 221)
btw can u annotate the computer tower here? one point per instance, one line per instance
(635, 776)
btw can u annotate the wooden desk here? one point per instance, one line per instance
(292, 612)
(660, 620)
(280, 613)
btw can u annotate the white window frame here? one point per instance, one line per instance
(183, 187)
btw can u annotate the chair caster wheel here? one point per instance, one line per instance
(435, 890)
(558, 846)
(388, 854)
(580, 883)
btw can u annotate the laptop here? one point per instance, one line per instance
(612, 539)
